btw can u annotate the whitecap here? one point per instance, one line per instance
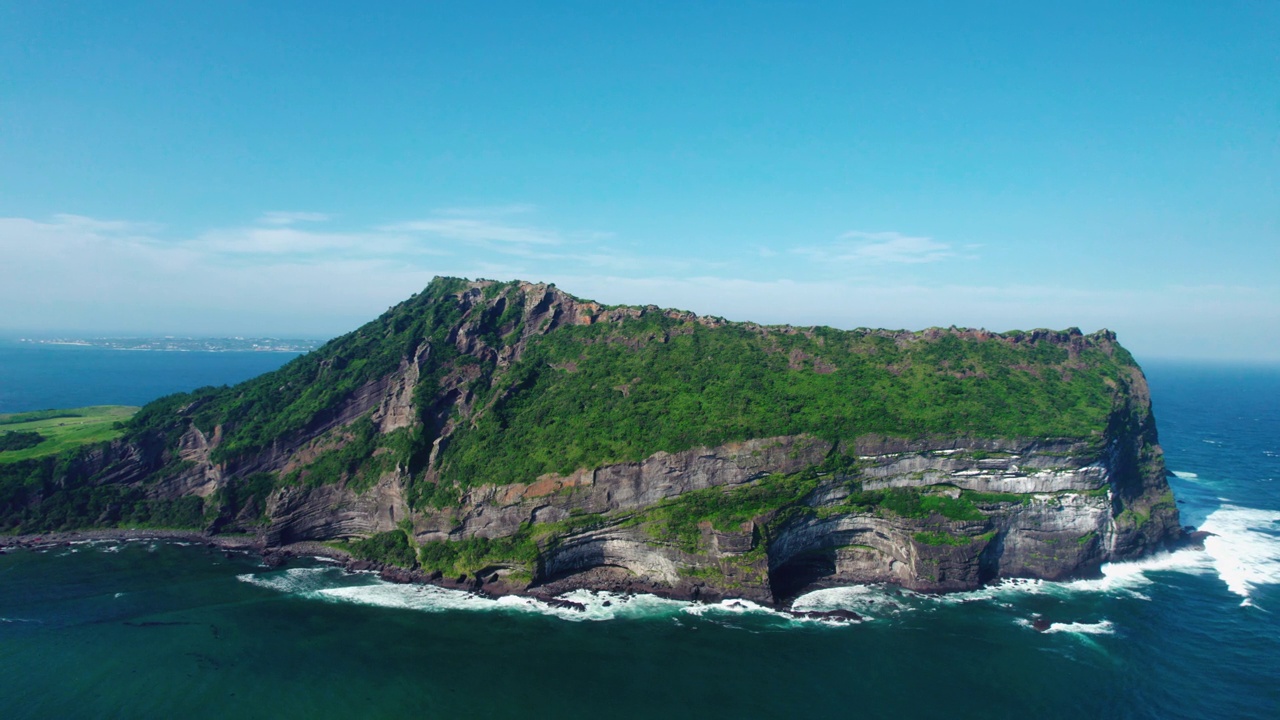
(595, 606)
(1244, 547)
(322, 584)
(870, 601)
(330, 585)
(733, 607)
(1103, 627)
(294, 581)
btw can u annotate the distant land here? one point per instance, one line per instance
(169, 343)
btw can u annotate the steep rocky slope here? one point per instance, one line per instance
(509, 435)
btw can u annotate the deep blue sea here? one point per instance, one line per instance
(39, 377)
(161, 630)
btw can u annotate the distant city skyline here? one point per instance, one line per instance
(289, 171)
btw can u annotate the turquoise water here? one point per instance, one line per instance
(149, 629)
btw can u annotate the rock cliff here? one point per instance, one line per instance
(518, 438)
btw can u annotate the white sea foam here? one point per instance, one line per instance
(1244, 551)
(324, 583)
(1123, 579)
(870, 601)
(1099, 628)
(294, 581)
(1244, 547)
(1102, 627)
(734, 607)
(321, 584)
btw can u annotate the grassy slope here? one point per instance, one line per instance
(587, 396)
(64, 429)
(582, 396)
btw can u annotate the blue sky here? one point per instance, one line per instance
(296, 168)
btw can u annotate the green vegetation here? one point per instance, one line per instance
(16, 418)
(995, 498)
(912, 503)
(580, 396)
(311, 387)
(359, 458)
(677, 520)
(20, 440)
(31, 500)
(393, 547)
(590, 395)
(458, 557)
(942, 538)
(245, 494)
(59, 430)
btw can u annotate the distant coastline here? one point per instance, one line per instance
(185, 344)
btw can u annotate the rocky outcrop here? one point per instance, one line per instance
(1043, 515)
(1031, 507)
(496, 511)
(327, 512)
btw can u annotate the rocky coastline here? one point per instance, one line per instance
(870, 490)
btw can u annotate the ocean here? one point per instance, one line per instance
(151, 629)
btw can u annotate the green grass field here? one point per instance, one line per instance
(64, 429)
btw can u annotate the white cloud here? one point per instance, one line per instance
(64, 221)
(1164, 321)
(471, 230)
(880, 247)
(489, 210)
(86, 275)
(291, 241)
(290, 218)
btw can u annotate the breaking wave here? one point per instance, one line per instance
(333, 585)
(1102, 627)
(1243, 550)
(1244, 547)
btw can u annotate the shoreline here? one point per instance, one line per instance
(491, 587)
(250, 543)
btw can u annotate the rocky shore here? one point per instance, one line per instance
(484, 586)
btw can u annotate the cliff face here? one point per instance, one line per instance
(960, 456)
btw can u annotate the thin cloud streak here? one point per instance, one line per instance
(880, 247)
(290, 218)
(472, 230)
(489, 211)
(87, 275)
(287, 241)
